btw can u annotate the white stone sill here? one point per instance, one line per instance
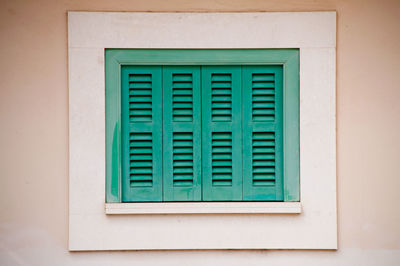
(202, 207)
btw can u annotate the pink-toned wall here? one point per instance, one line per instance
(34, 134)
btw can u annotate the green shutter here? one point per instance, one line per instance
(182, 133)
(135, 138)
(222, 135)
(262, 133)
(141, 133)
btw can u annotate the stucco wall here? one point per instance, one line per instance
(34, 135)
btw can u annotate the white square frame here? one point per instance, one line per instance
(315, 227)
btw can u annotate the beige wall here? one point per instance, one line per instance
(34, 134)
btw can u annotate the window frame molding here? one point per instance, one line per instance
(313, 33)
(288, 58)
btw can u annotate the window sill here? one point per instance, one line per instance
(202, 207)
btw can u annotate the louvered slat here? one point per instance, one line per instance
(263, 151)
(221, 158)
(141, 159)
(221, 97)
(182, 159)
(182, 98)
(140, 97)
(263, 97)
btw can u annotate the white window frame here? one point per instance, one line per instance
(309, 224)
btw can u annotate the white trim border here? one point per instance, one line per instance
(312, 224)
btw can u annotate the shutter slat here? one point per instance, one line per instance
(262, 77)
(221, 96)
(263, 85)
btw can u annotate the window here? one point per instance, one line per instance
(202, 125)
(309, 224)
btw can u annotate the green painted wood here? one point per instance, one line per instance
(113, 128)
(222, 134)
(141, 133)
(182, 133)
(291, 128)
(262, 133)
(202, 56)
(117, 58)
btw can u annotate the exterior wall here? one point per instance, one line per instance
(34, 135)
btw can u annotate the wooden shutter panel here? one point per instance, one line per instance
(262, 133)
(182, 133)
(141, 133)
(222, 134)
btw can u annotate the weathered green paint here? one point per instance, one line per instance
(113, 128)
(141, 133)
(202, 56)
(291, 127)
(262, 133)
(287, 58)
(182, 133)
(222, 133)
